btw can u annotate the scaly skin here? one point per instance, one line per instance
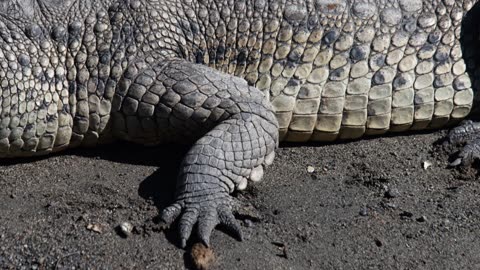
(82, 72)
(341, 69)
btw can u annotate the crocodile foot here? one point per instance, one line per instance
(208, 208)
(467, 135)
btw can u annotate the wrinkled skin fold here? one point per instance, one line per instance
(231, 78)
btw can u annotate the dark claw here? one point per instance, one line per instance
(206, 225)
(188, 219)
(228, 219)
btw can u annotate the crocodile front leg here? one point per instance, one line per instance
(232, 123)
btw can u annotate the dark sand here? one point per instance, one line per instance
(369, 204)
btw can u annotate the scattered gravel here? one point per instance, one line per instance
(318, 223)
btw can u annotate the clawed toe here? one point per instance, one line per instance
(242, 183)
(468, 135)
(257, 174)
(187, 221)
(269, 159)
(469, 153)
(207, 222)
(227, 219)
(171, 213)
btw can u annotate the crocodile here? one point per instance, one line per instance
(232, 79)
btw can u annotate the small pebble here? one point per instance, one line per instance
(456, 162)
(94, 228)
(391, 205)
(126, 228)
(41, 260)
(427, 164)
(406, 214)
(310, 169)
(248, 223)
(422, 219)
(364, 212)
(392, 193)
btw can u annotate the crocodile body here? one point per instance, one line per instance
(232, 77)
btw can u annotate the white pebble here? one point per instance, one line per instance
(126, 228)
(427, 164)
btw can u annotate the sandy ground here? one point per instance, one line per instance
(369, 204)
